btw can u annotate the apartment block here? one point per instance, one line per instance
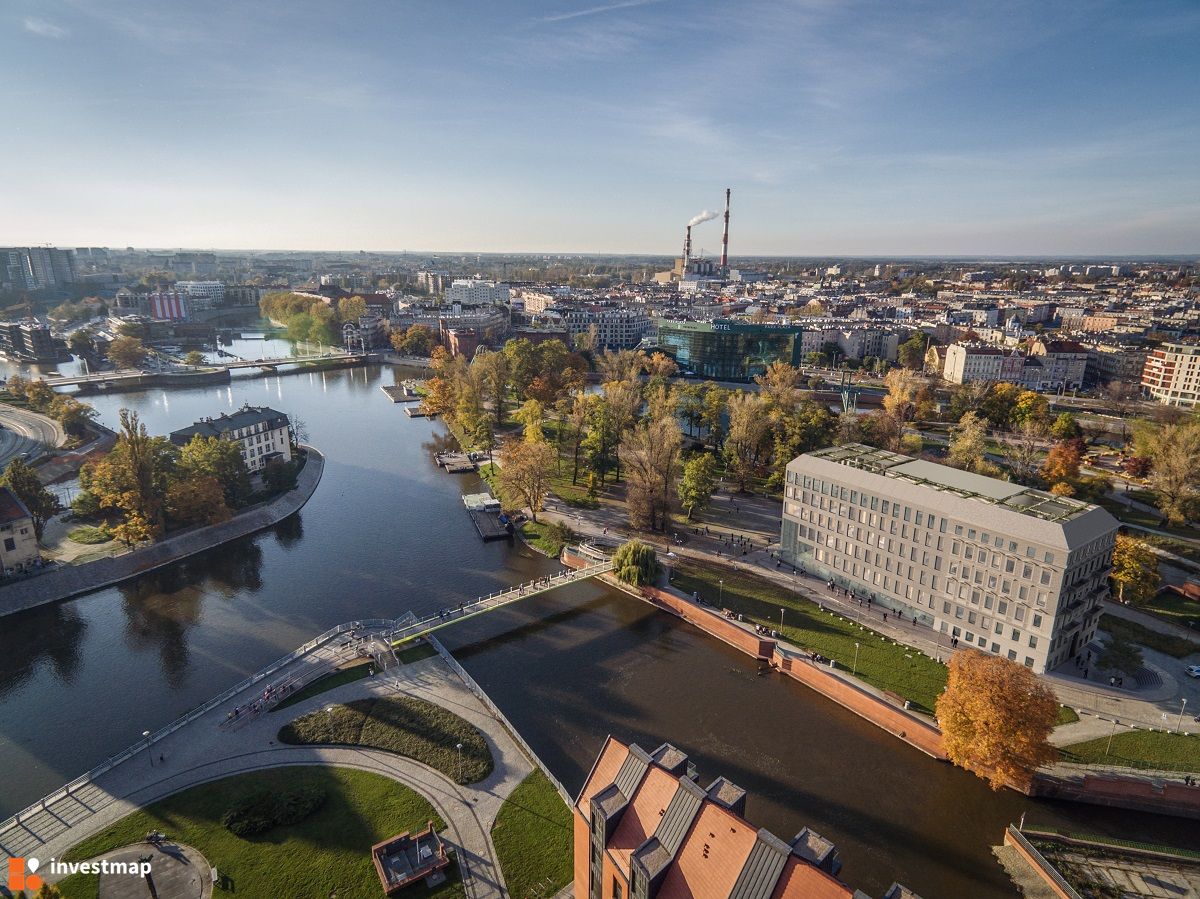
(1172, 374)
(262, 433)
(1007, 569)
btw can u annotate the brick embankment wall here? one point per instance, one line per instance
(1038, 865)
(72, 580)
(1133, 792)
(712, 622)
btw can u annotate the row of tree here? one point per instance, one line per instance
(69, 412)
(309, 317)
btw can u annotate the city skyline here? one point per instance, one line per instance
(843, 129)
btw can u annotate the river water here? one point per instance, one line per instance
(385, 533)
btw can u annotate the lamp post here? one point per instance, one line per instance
(1182, 706)
(721, 593)
(854, 669)
(781, 620)
(1108, 748)
(149, 754)
(459, 747)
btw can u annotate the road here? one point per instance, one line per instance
(22, 431)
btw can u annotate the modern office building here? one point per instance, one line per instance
(1007, 569)
(36, 268)
(727, 350)
(261, 431)
(645, 829)
(1172, 374)
(201, 294)
(31, 341)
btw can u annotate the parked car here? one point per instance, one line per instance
(1192, 670)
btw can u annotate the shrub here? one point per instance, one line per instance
(259, 812)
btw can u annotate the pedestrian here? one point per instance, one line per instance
(885, 617)
(1085, 672)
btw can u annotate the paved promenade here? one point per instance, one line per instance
(207, 749)
(72, 580)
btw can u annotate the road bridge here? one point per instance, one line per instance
(266, 364)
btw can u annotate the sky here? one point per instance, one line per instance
(843, 127)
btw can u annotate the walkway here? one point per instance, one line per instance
(23, 431)
(206, 750)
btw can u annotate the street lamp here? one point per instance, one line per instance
(149, 754)
(1182, 706)
(781, 619)
(854, 669)
(458, 746)
(1108, 748)
(721, 593)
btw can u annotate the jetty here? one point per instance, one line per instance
(418, 412)
(456, 463)
(489, 520)
(404, 392)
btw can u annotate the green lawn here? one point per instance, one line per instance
(404, 725)
(549, 538)
(1066, 715)
(88, 535)
(328, 682)
(533, 838)
(327, 852)
(1145, 519)
(1171, 545)
(881, 662)
(1143, 636)
(416, 652)
(1140, 749)
(1174, 608)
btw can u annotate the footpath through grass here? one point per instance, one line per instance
(327, 853)
(404, 725)
(881, 662)
(327, 682)
(533, 838)
(1171, 644)
(1139, 749)
(1174, 608)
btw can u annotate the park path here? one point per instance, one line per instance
(208, 749)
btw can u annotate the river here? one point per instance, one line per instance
(385, 533)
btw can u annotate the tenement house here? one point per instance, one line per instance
(1007, 569)
(261, 431)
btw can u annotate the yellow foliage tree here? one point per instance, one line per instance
(996, 717)
(1134, 570)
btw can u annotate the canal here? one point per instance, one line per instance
(385, 533)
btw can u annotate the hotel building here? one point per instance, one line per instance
(1007, 569)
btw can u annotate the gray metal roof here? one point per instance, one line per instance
(763, 866)
(681, 810)
(632, 770)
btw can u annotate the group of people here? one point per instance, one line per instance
(763, 631)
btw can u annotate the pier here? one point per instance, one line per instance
(484, 510)
(418, 412)
(456, 463)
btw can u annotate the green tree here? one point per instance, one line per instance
(521, 365)
(220, 459)
(196, 499)
(968, 443)
(80, 342)
(299, 326)
(351, 309)
(1174, 454)
(73, 415)
(1066, 427)
(133, 477)
(698, 483)
(635, 563)
(530, 416)
(127, 352)
(1134, 570)
(911, 353)
(41, 503)
(194, 358)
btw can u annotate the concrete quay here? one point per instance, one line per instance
(72, 580)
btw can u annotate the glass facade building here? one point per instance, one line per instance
(729, 351)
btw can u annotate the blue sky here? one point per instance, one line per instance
(843, 127)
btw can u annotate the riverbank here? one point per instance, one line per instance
(67, 581)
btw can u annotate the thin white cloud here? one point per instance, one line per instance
(42, 28)
(597, 10)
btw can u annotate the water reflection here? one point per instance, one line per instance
(289, 532)
(52, 633)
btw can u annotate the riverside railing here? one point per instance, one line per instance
(146, 742)
(1046, 870)
(500, 716)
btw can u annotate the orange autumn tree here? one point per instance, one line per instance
(996, 717)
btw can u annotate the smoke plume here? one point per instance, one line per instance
(705, 216)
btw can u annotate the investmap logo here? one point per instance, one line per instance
(22, 874)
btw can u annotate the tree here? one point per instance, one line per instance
(575, 423)
(80, 342)
(525, 470)
(1174, 454)
(418, 340)
(748, 428)
(810, 426)
(1062, 462)
(651, 455)
(134, 476)
(39, 395)
(493, 374)
(1029, 404)
(531, 415)
(134, 529)
(351, 309)
(995, 717)
(1134, 570)
(698, 483)
(193, 358)
(999, 404)
(220, 459)
(635, 563)
(911, 353)
(1066, 427)
(1120, 397)
(779, 385)
(1024, 454)
(127, 352)
(197, 499)
(968, 445)
(659, 367)
(623, 399)
(73, 415)
(712, 415)
(622, 365)
(43, 505)
(279, 475)
(1118, 654)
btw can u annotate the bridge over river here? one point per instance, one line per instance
(202, 373)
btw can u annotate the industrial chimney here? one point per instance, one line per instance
(725, 237)
(687, 247)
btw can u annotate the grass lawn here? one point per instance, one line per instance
(881, 663)
(1066, 715)
(326, 852)
(416, 652)
(406, 726)
(1145, 519)
(533, 836)
(549, 538)
(88, 535)
(1140, 749)
(490, 473)
(1143, 636)
(1178, 547)
(328, 682)
(1174, 608)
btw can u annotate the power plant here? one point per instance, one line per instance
(691, 272)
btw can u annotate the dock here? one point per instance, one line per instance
(456, 463)
(418, 412)
(404, 392)
(490, 521)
